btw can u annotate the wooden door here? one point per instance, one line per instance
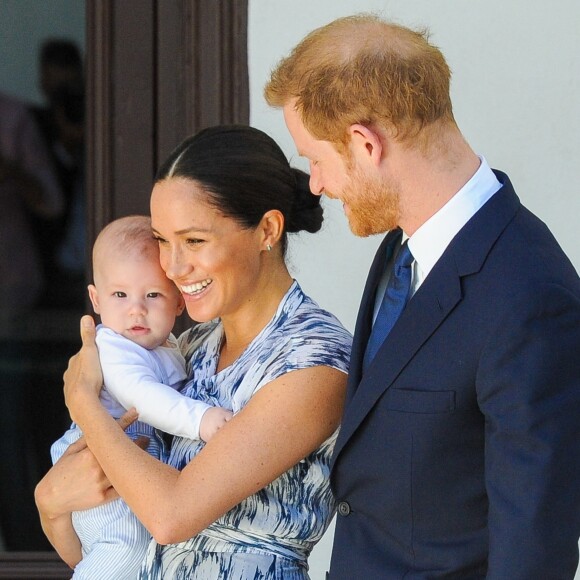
(157, 71)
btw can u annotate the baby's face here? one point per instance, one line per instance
(135, 299)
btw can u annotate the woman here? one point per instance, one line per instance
(253, 501)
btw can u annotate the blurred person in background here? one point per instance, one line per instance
(29, 190)
(61, 122)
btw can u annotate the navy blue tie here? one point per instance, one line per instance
(394, 301)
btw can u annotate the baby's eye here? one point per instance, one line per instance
(119, 294)
(153, 294)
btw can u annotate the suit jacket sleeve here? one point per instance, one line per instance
(529, 391)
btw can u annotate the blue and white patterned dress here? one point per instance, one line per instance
(270, 534)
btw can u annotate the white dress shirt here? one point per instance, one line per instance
(429, 242)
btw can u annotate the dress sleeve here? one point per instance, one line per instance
(313, 338)
(131, 375)
(316, 339)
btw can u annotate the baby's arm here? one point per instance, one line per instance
(129, 376)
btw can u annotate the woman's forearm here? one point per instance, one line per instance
(244, 456)
(281, 424)
(140, 479)
(75, 482)
(59, 529)
(158, 494)
(62, 536)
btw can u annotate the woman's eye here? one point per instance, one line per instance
(160, 240)
(194, 241)
(119, 294)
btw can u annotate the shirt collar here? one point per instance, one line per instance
(429, 242)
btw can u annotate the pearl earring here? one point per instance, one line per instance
(269, 248)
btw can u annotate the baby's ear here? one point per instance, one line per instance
(180, 305)
(94, 296)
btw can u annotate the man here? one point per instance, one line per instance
(459, 451)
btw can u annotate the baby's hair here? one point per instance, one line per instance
(128, 236)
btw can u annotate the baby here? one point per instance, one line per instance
(142, 368)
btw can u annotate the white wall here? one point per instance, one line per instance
(516, 94)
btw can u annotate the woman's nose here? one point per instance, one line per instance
(174, 265)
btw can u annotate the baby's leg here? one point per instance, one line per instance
(119, 548)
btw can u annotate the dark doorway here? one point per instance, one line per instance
(157, 71)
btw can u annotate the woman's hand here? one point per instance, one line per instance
(282, 423)
(75, 482)
(83, 378)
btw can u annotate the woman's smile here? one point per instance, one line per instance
(212, 258)
(196, 287)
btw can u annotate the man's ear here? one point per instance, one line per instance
(94, 296)
(366, 144)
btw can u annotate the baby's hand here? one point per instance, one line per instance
(212, 421)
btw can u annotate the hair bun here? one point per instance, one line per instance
(306, 214)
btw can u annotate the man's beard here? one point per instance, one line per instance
(373, 205)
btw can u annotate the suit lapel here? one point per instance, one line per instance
(432, 303)
(365, 314)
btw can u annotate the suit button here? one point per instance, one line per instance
(343, 508)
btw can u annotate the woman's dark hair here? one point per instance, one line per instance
(246, 174)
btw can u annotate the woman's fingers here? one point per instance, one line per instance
(88, 332)
(83, 375)
(142, 441)
(75, 482)
(128, 418)
(75, 447)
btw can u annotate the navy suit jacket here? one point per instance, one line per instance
(459, 450)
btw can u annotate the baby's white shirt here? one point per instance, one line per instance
(150, 381)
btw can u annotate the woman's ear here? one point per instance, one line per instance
(271, 228)
(366, 144)
(94, 296)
